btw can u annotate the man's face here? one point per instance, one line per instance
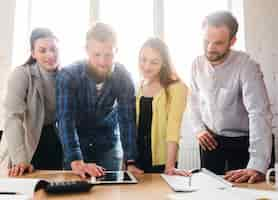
(217, 43)
(100, 57)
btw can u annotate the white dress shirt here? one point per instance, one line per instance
(231, 100)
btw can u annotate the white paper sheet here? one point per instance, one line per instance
(211, 186)
(15, 197)
(199, 181)
(231, 193)
(18, 185)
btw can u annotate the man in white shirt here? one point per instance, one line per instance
(230, 108)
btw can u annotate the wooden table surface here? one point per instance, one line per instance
(150, 186)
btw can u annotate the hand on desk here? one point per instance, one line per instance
(82, 169)
(175, 171)
(170, 171)
(134, 169)
(206, 141)
(20, 169)
(244, 175)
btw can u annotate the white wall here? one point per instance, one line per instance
(262, 43)
(7, 8)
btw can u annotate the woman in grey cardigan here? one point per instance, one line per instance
(30, 139)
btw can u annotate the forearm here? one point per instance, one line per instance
(260, 143)
(70, 141)
(14, 134)
(15, 106)
(172, 149)
(257, 104)
(66, 109)
(128, 129)
(128, 141)
(195, 114)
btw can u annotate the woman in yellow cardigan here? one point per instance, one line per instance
(160, 104)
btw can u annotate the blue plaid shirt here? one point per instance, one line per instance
(87, 118)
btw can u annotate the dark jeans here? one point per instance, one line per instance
(153, 169)
(49, 154)
(230, 154)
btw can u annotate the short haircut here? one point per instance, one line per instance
(101, 32)
(221, 18)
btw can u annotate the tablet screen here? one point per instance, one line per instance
(116, 177)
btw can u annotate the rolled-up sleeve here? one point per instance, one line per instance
(66, 90)
(257, 104)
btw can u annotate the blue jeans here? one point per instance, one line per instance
(110, 159)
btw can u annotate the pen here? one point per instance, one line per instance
(8, 193)
(193, 171)
(189, 181)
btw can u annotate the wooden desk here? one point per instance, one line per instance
(150, 186)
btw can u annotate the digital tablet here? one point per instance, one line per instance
(115, 177)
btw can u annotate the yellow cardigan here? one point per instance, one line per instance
(166, 119)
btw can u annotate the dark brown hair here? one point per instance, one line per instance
(167, 73)
(36, 34)
(221, 18)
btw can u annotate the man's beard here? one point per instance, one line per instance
(99, 76)
(216, 56)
